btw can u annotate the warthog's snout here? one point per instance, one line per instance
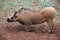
(9, 20)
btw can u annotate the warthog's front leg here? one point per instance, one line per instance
(28, 26)
(50, 24)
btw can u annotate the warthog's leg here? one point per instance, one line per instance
(50, 24)
(28, 26)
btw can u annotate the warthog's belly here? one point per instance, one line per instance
(38, 20)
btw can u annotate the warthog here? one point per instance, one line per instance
(29, 18)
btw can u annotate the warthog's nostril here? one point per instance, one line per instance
(8, 19)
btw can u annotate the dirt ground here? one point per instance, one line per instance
(15, 31)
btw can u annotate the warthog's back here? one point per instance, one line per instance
(48, 12)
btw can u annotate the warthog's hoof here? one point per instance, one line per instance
(29, 29)
(50, 32)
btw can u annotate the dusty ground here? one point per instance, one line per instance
(15, 31)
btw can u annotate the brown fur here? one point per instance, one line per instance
(45, 15)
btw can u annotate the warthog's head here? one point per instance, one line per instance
(15, 15)
(12, 19)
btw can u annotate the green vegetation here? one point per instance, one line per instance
(43, 3)
(6, 5)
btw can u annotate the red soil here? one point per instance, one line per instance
(14, 31)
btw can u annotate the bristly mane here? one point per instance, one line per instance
(24, 9)
(15, 13)
(21, 10)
